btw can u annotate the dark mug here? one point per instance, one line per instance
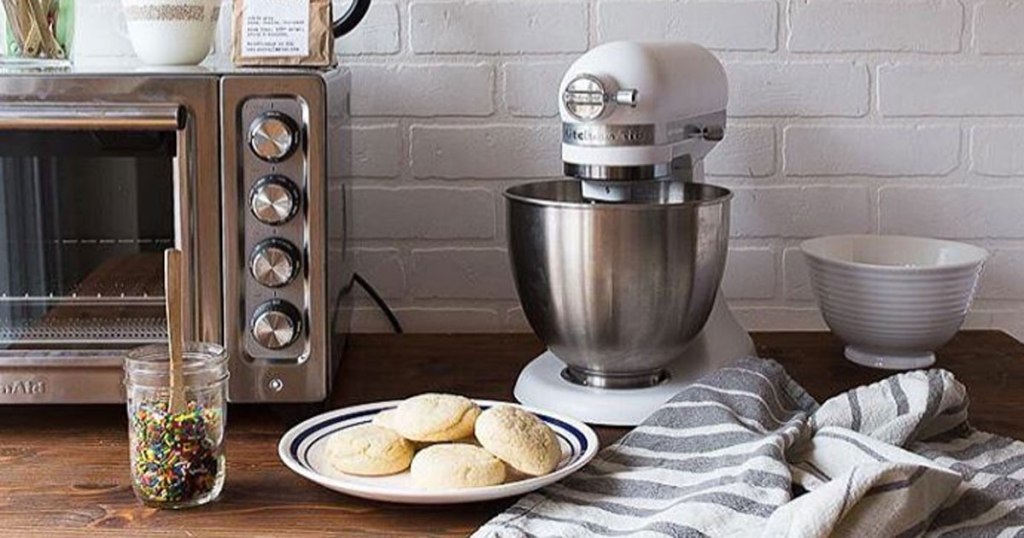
(352, 17)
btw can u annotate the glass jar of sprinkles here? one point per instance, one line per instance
(177, 458)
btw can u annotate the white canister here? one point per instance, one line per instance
(171, 32)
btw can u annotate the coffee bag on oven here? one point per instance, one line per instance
(282, 33)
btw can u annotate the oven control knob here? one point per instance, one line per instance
(274, 200)
(273, 136)
(276, 324)
(274, 262)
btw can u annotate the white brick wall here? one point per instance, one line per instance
(944, 89)
(422, 90)
(895, 116)
(378, 33)
(486, 151)
(847, 150)
(743, 25)
(998, 150)
(798, 88)
(844, 26)
(422, 213)
(498, 27)
(997, 25)
(805, 211)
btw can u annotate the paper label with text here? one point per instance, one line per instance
(275, 28)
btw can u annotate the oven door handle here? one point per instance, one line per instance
(92, 117)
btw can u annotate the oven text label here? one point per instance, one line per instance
(26, 387)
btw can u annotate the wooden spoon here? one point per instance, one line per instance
(176, 340)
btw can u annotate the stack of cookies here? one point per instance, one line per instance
(448, 443)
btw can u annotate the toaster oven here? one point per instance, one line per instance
(241, 170)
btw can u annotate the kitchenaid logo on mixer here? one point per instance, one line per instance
(22, 387)
(607, 135)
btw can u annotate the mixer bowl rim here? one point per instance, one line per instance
(724, 195)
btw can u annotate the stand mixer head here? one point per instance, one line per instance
(640, 111)
(618, 270)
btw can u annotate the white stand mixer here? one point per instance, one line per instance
(597, 260)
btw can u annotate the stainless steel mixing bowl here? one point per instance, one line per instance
(617, 290)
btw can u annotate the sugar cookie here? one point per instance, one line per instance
(385, 419)
(519, 438)
(435, 417)
(368, 450)
(456, 466)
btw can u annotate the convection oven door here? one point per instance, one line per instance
(90, 197)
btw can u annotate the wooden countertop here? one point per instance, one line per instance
(64, 470)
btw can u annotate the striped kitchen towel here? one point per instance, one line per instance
(746, 452)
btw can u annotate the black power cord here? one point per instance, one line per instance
(392, 318)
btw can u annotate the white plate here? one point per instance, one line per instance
(302, 447)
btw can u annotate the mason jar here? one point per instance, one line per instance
(177, 457)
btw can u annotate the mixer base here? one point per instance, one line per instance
(541, 385)
(721, 342)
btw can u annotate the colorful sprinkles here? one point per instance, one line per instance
(176, 457)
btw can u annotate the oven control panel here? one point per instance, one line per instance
(274, 167)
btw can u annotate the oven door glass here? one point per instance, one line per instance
(85, 216)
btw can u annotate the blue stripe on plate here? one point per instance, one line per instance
(294, 448)
(580, 438)
(318, 428)
(305, 453)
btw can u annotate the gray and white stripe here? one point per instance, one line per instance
(746, 451)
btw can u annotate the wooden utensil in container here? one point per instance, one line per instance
(175, 336)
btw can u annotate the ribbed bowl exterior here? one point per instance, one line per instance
(893, 308)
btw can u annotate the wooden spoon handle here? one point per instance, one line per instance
(175, 337)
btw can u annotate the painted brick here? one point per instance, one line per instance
(422, 213)
(956, 212)
(871, 150)
(100, 32)
(796, 282)
(221, 50)
(376, 150)
(770, 318)
(1003, 276)
(903, 26)
(805, 211)
(486, 151)
(382, 268)
(461, 273)
(531, 88)
(746, 150)
(997, 25)
(414, 65)
(798, 89)
(951, 89)
(749, 274)
(998, 150)
(496, 27)
(515, 321)
(1010, 320)
(748, 25)
(1007, 319)
(429, 320)
(422, 90)
(378, 33)
(369, 319)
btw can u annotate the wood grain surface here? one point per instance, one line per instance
(64, 469)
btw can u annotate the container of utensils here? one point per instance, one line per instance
(177, 408)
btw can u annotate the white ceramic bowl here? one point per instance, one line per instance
(171, 32)
(893, 299)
